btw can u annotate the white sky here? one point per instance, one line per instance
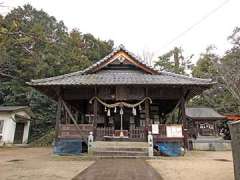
(146, 25)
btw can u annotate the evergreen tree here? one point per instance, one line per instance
(35, 45)
(174, 61)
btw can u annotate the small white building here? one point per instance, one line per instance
(14, 124)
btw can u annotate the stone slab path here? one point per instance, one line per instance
(119, 169)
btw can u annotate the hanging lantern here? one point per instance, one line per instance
(115, 109)
(134, 111)
(108, 112)
(105, 109)
(121, 111)
(140, 107)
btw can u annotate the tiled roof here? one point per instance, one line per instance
(120, 77)
(203, 112)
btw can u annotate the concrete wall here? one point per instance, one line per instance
(9, 126)
(210, 144)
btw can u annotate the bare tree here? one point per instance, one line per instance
(147, 57)
(229, 71)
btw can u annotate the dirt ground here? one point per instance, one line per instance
(197, 165)
(39, 164)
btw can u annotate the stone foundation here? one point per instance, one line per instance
(210, 144)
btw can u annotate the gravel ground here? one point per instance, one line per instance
(197, 165)
(39, 164)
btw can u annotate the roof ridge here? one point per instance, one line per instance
(101, 60)
(120, 47)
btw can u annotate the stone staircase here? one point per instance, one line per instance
(120, 149)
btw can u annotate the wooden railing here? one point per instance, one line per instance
(134, 134)
(137, 133)
(70, 130)
(99, 133)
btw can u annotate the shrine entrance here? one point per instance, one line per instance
(121, 118)
(119, 95)
(125, 120)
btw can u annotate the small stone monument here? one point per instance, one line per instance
(90, 142)
(150, 144)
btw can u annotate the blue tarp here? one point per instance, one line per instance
(68, 146)
(169, 149)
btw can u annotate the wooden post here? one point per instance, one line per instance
(147, 116)
(184, 120)
(58, 118)
(183, 109)
(95, 110)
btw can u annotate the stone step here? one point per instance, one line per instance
(120, 149)
(120, 144)
(120, 153)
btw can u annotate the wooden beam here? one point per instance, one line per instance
(71, 115)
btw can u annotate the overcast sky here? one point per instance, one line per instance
(147, 25)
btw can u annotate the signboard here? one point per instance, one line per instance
(155, 129)
(174, 131)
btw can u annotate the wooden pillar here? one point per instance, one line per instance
(58, 118)
(147, 107)
(95, 110)
(183, 110)
(147, 116)
(184, 120)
